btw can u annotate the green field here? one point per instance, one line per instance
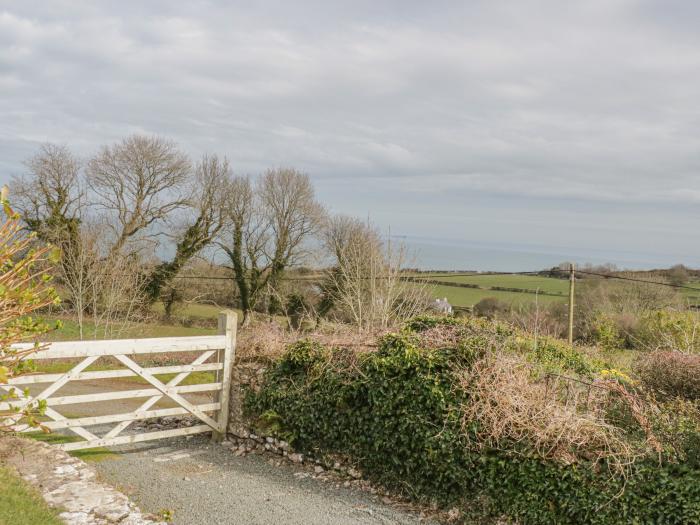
(526, 282)
(692, 296)
(469, 296)
(69, 330)
(466, 297)
(54, 438)
(194, 310)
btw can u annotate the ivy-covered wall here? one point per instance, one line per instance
(395, 412)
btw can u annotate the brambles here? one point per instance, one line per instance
(507, 410)
(670, 374)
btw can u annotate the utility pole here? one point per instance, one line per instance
(572, 284)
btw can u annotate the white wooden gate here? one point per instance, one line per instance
(216, 354)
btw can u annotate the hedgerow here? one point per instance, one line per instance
(398, 414)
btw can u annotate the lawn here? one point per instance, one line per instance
(21, 504)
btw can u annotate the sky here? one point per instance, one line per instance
(544, 125)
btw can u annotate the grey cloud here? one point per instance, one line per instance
(533, 101)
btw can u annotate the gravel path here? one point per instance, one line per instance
(204, 483)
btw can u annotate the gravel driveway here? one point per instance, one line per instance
(204, 483)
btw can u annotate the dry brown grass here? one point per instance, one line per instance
(511, 408)
(268, 340)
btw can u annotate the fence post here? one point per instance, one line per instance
(228, 324)
(572, 284)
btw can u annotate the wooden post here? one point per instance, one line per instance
(572, 284)
(228, 324)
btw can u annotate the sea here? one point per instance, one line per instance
(429, 253)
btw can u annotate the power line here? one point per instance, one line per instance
(420, 276)
(622, 278)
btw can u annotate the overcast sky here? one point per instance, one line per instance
(552, 124)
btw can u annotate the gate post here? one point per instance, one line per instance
(228, 324)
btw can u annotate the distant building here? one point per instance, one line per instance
(443, 306)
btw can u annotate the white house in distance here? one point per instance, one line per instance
(443, 306)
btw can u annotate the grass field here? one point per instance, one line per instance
(525, 282)
(691, 296)
(194, 310)
(70, 331)
(63, 365)
(21, 504)
(466, 297)
(470, 296)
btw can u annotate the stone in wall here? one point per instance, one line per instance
(247, 375)
(68, 483)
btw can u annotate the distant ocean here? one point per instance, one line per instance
(445, 254)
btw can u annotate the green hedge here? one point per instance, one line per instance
(395, 413)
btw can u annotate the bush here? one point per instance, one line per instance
(398, 412)
(670, 374)
(24, 289)
(607, 333)
(554, 356)
(677, 423)
(490, 307)
(620, 306)
(669, 330)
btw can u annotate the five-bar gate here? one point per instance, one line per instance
(216, 354)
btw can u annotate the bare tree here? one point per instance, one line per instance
(269, 224)
(100, 288)
(366, 286)
(206, 217)
(290, 208)
(139, 181)
(50, 197)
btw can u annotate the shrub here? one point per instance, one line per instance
(554, 356)
(399, 413)
(670, 374)
(606, 332)
(670, 330)
(24, 289)
(677, 423)
(620, 304)
(490, 307)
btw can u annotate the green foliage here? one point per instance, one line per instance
(395, 412)
(670, 330)
(24, 289)
(553, 356)
(426, 322)
(606, 333)
(677, 424)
